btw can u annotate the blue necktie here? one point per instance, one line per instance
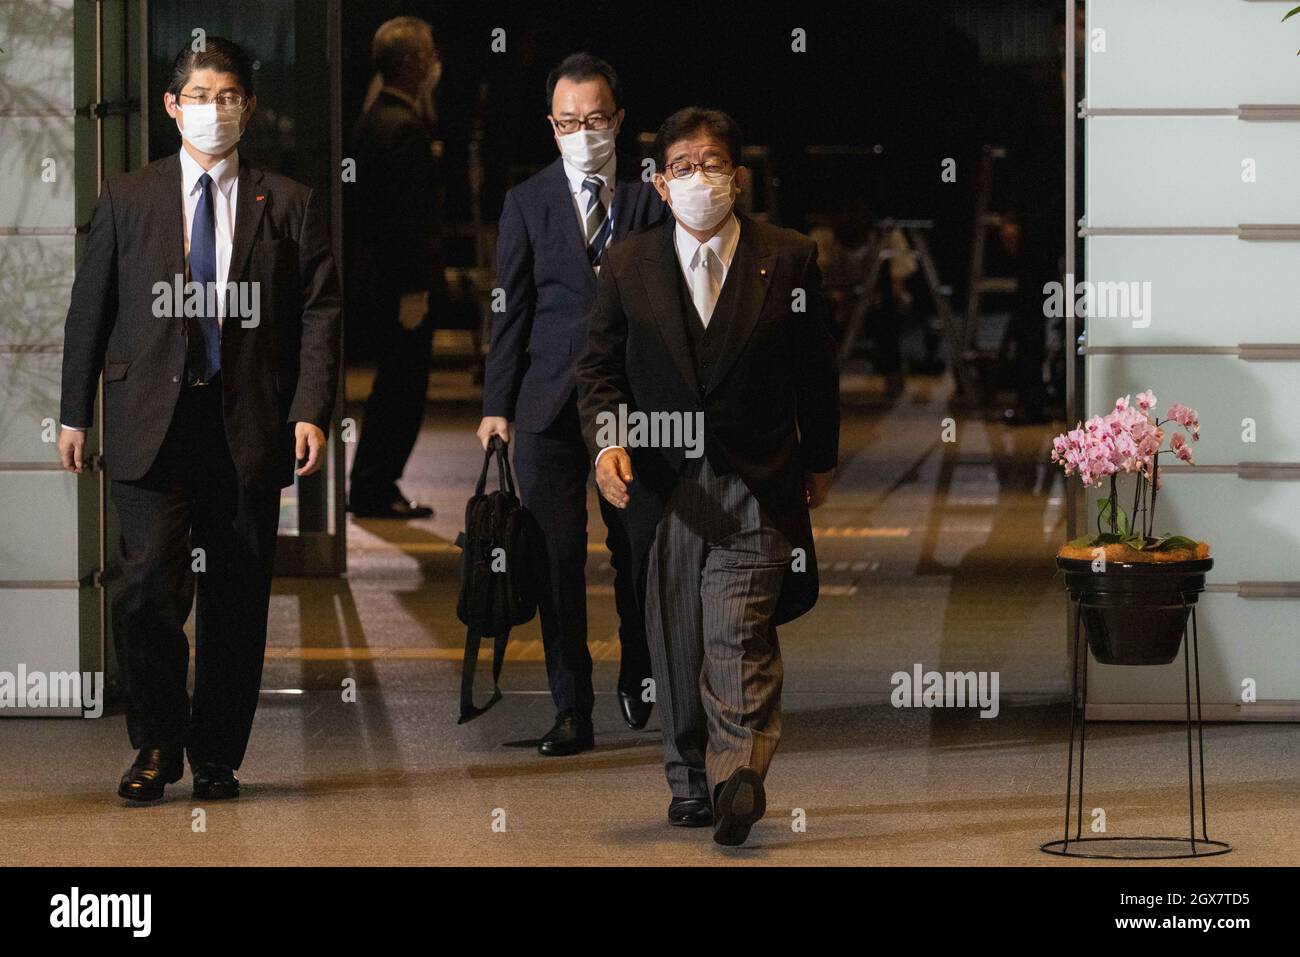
(597, 224)
(203, 270)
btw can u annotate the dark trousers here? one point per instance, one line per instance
(190, 500)
(395, 408)
(553, 468)
(713, 580)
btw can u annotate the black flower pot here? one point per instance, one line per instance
(1135, 613)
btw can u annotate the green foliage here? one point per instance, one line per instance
(1121, 519)
(1123, 532)
(1134, 540)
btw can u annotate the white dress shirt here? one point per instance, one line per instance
(722, 250)
(225, 192)
(605, 174)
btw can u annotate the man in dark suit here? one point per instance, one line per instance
(397, 261)
(555, 231)
(207, 298)
(717, 325)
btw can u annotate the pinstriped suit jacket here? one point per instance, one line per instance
(771, 405)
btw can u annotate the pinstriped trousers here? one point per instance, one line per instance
(712, 581)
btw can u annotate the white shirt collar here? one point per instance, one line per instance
(223, 174)
(575, 176)
(722, 244)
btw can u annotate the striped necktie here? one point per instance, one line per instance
(596, 224)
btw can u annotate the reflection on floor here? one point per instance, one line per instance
(932, 553)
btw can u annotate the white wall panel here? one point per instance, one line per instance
(1209, 295)
(1226, 660)
(1205, 290)
(1187, 170)
(1191, 53)
(1250, 525)
(1225, 391)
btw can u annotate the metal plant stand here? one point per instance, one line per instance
(1096, 847)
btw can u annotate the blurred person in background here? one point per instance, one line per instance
(394, 215)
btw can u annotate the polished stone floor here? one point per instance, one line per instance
(933, 553)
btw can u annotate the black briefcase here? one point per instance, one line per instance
(503, 569)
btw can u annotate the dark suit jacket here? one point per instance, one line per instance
(771, 406)
(281, 371)
(549, 286)
(394, 209)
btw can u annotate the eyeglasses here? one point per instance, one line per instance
(221, 99)
(712, 167)
(592, 121)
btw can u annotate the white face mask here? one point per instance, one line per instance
(210, 129)
(587, 150)
(701, 201)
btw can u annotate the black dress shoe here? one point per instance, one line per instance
(570, 735)
(215, 782)
(397, 508)
(152, 771)
(690, 812)
(635, 711)
(738, 804)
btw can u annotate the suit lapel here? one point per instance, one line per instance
(660, 273)
(171, 217)
(752, 271)
(249, 206)
(559, 199)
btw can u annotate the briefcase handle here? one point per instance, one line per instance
(506, 483)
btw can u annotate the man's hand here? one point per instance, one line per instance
(72, 449)
(412, 309)
(495, 425)
(309, 444)
(613, 472)
(816, 485)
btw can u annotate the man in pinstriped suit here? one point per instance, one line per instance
(720, 318)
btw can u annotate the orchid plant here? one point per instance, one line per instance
(1128, 441)
(1289, 15)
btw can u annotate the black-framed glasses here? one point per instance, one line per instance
(236, 100)
(712, 167)
(592, 121)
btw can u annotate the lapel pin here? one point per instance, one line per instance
(763, 272)
(260, 197)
